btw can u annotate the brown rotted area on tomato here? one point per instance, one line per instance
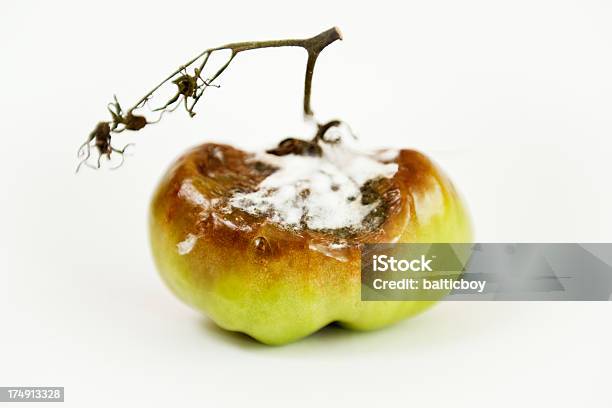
(218, 171)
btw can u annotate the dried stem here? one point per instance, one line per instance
(191, 87)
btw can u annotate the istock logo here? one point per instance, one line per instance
(384, 263)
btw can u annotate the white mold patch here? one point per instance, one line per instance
(192, 195)
(186, 246)
(387, 155)
(321, 193)
(337, 251)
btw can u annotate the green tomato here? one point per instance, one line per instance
(277, 284)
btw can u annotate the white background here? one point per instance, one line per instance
(512, 98)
